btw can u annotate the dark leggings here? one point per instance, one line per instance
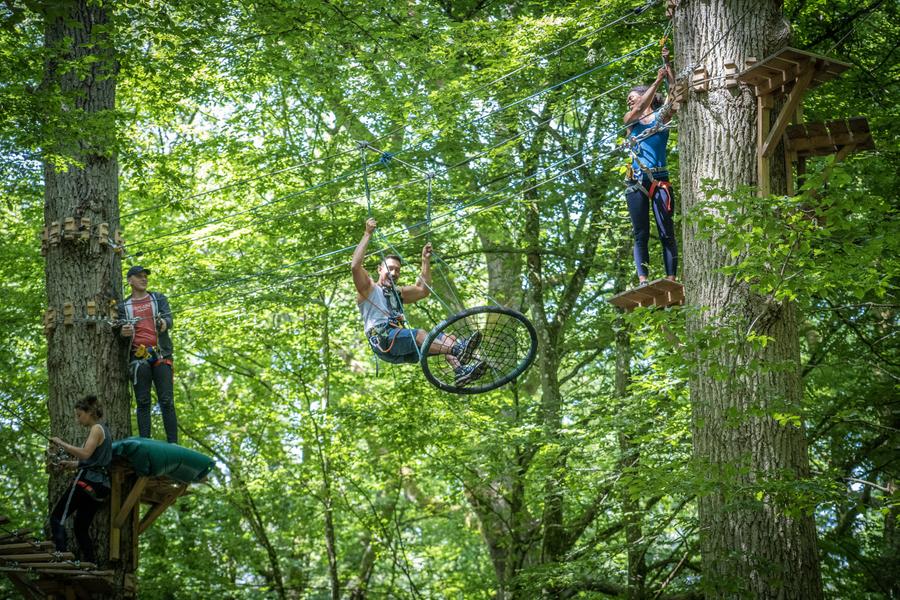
(159, 376)
(663, 209)
(84, 508)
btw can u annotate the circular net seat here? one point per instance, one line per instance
(501, 342)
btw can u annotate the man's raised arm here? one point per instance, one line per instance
(361, 278)
(414, 293)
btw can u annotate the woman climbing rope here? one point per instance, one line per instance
(91, 484)
(648, 181)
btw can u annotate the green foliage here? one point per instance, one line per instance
(235, 130)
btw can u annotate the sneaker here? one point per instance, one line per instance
(465, 347)
(466, 374)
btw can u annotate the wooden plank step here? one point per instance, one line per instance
(75, 574)
(16, 534)
(20, 547)
(85, 566)
(820, 139)
(660, 292)
(37, 557)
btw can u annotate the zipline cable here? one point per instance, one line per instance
(635, 11)
(350, 174)
(476, 202)
(270, 270)
(303, 210)
(234, 184)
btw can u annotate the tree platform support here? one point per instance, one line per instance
(660, 292)
(158, 492)
(789, 72)
(36, 570)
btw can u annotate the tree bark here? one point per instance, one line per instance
(80, 180)
(752, 547)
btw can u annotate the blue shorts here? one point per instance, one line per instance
(402, 344)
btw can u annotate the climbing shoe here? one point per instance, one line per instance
(466, 374)
(465, 347)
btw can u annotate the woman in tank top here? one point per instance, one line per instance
(648, 186)
(91, 484)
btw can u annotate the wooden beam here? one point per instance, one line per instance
(790, 157)
(16, 534)
(135, 541)
(763, 116)
(25, 546)
(825, 145)
(843, 152)
(158, 509)
(68, 566)
(788, 111)
(130, 501)
(83, 575)
(36, 557)
(115, 504)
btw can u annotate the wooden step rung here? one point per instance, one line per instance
(36, 557)
(20, 547)
(16, 534)
(660, 293)
(67, 566)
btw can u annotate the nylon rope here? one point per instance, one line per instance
(363, 146)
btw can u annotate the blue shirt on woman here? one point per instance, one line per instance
(652, 151)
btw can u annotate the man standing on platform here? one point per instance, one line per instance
(148, 319)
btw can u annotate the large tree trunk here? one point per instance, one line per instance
(751, 547)
(80, 178)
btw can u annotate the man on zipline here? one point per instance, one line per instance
(381, 306)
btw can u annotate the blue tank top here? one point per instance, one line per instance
(651, 151)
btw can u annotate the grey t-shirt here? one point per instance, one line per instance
(380, 307)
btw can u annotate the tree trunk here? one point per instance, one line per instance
(751, 546)
(80, 181)
(629, 458)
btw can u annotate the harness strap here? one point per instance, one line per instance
(375, 333)
(69, 499)
(151, 356)
(668, 188)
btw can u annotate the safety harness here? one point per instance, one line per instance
(152, 355)
(636, 183)
(379, 335)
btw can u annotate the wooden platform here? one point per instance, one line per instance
(830, 137)
(788, 72)
(780, 71)
(36, 570)
(660, 292)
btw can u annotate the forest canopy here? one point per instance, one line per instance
(236, 131)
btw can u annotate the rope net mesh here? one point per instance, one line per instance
(489, 347)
